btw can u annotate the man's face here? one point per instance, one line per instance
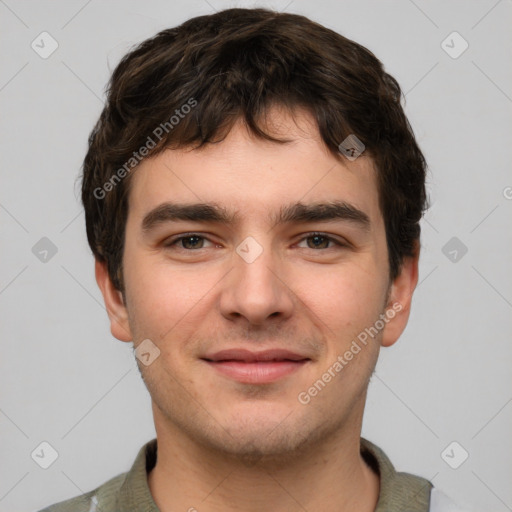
(283, 289)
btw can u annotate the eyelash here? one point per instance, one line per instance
(175, 241)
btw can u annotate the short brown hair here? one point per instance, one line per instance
(235, 64)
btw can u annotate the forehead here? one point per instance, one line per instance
(246, 174)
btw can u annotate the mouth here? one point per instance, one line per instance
(256, 367)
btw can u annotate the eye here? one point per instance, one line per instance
(321, 240)
(190, 241)
(194, 241)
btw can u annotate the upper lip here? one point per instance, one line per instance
(247, 356)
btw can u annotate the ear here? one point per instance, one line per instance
(114, 303)
(399, 299)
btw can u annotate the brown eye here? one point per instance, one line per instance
(318, 242)
(187, 242)
(191, 242)
(321, 241)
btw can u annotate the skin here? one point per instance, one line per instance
(226, 445)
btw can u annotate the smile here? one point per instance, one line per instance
(256, 367)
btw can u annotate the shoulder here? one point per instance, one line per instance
(89, 502)
(440, 502)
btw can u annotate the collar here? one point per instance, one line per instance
(398, 491)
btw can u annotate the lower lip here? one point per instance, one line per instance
(260, 372)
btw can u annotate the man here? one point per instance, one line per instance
(253, 192)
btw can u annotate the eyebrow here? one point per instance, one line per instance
(293, 213)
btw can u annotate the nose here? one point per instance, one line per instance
(256, 290)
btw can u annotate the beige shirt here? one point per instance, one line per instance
(129, 492)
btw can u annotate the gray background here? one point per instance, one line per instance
(66, 381)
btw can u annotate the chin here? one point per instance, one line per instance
(264, 439)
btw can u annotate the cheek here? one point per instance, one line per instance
(347, 289)
(345, 300)
(165, 300)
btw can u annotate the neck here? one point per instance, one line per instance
(329, 477)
